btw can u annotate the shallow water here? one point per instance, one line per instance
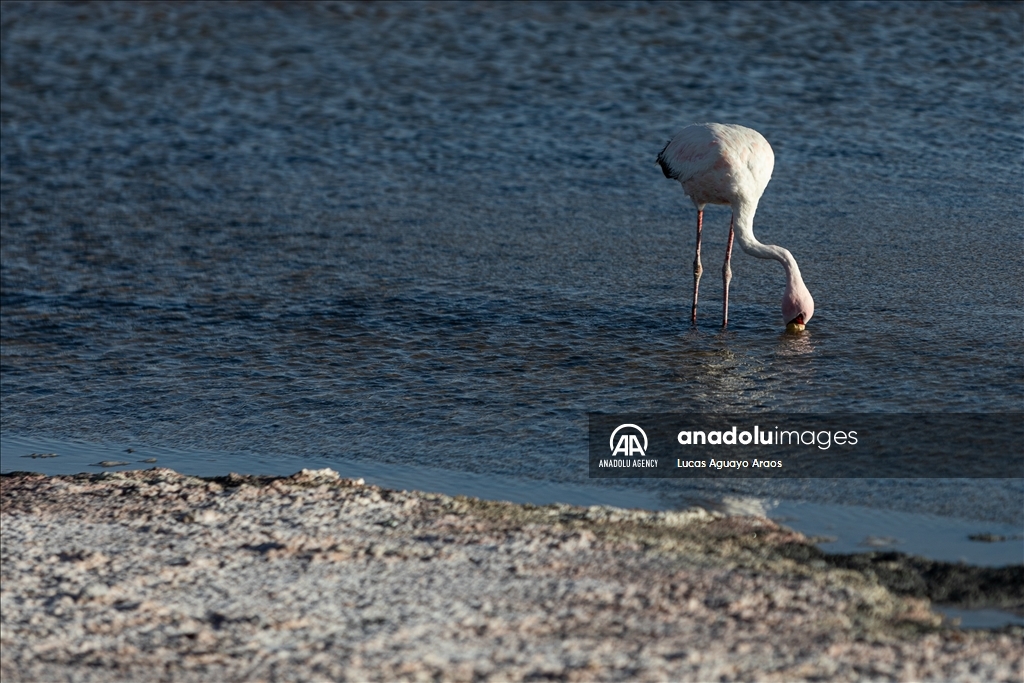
(433, 235)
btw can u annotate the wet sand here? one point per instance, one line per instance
(155, 576)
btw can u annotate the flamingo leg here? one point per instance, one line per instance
(727, 275)
(697, 268)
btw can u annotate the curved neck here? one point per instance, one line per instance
(744, 224)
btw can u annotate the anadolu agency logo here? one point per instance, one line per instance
(626, 448)
(628, 444)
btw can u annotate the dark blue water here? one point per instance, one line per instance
(434, 235)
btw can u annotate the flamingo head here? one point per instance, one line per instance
(797, 307)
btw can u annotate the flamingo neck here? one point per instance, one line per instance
(744, 225)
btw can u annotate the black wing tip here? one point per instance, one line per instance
(665, 167)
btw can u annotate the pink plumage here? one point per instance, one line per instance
(721, 163)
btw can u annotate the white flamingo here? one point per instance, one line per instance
(722, 163)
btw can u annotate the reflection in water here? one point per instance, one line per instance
(795, 344)
(721, 373)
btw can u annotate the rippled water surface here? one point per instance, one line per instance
(434, 234)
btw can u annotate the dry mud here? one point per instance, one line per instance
(155, 576)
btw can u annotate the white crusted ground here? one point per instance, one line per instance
(150, 576)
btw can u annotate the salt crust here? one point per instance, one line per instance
(155, 576)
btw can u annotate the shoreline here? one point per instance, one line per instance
(967, 531)
(152, 575)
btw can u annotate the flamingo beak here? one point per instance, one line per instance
(796, 325)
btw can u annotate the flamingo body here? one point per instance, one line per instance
(719, 163)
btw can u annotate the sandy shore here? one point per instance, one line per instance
(155, 576)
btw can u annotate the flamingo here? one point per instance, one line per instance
(722, 163)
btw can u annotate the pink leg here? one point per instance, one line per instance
(697, 268)
(727, 276)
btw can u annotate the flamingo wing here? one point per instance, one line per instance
(716, 162)
(691, 153)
